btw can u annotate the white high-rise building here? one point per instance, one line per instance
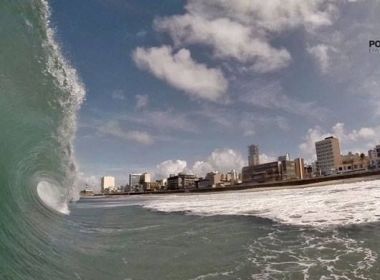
(145, 178)
(300, 168)
(328, 155)
(107, 184)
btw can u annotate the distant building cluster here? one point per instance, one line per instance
(329, 162)
(139, 183)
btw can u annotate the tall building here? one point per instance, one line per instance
(146, 182)
(253, 155)
(145, 178)
(328, 155)
(134, 180)
(300, 168)
(107, 184)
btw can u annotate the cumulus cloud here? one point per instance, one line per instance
(269, 15)
(167, 167)
(225, 159)
(222, 160)
(228, 39)
(242, 29)
(362, 134)
(201, 168)
(321, 55)
(113, 128)
(264, 158)
(356, 140)
(180, 71)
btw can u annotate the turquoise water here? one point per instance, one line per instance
(317, 233)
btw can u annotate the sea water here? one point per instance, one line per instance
(329, 232)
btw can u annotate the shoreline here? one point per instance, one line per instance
(282, 185)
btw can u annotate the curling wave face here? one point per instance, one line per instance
(39, 98)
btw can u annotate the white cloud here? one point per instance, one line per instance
(344, 48)
(274, 15)
(113, 128)
(243, 29)
(142, 101)
(356, 140)
(264, 158)
(182, 72)
(226, 159)
(363, 134)
(307, 147)
(165, 168)
(222, 160)
(321, 54)
(228, 39)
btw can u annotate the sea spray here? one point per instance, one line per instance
(67, 80)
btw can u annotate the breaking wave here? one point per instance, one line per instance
(40, 94)
(334, 205)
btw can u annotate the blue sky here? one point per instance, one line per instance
(188, 85)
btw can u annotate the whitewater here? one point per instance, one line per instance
(333, 205)
(329, 232)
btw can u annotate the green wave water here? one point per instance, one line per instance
(39, 98)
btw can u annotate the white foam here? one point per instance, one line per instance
(301, 255)
(52, 196)
(344, 204)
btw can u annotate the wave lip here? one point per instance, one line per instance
(334, 205)
(70, 95)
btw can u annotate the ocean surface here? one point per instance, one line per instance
(46, 233)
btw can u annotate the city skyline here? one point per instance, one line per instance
(330, 161)
(139, 114)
